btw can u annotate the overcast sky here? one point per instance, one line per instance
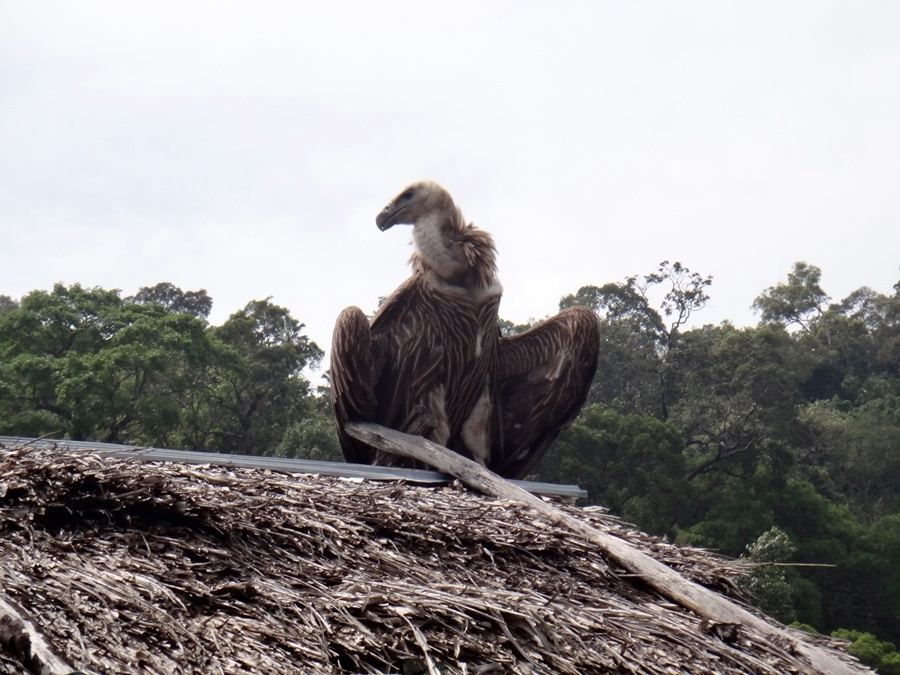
(245, 148)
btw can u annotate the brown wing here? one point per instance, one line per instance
(378, 372)
(410, 357)
(543, 376)
(353, 375)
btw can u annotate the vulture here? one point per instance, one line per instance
(432, 360)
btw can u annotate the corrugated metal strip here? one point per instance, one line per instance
(335, 469)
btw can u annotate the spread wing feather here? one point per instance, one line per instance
(420, 367)
(354, 371)
(380, 372)
(424, 343)
(542, 380)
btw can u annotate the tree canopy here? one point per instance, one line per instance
(85, 363)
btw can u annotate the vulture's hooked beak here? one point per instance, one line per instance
(389, 216)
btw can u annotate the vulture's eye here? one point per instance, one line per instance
(406, 196)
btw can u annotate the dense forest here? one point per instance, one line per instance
(779, 443)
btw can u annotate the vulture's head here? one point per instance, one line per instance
(418, 201)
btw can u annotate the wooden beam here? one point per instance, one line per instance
(660, 577)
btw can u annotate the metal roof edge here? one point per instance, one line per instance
(283, 464)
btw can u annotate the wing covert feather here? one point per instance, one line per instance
(543, 376)
(354, 367)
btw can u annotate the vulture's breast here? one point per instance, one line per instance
(442, 347)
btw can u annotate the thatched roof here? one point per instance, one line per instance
(162, 567)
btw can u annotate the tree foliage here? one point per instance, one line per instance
(636, 336)
(173, 299)
(87, 364)
(882, 656)
(84, 363)
(265, 392)
(797, 302)
(767, 583)
(631, 463)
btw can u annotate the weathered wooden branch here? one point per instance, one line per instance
(660, 577)
(23, 640)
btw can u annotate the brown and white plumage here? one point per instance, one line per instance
(432, 361)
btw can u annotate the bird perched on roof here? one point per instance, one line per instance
(432, 361)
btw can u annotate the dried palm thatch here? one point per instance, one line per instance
(127, 567)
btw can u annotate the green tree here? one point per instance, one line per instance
(797, 302)
(173, 299)
(856, 341)
(636, 337)
(854, 566)
(86, 364)
(853, 454)
(7, 303)
(871, 651)
(313, 437)
(632, 464)
(735, 398)
(256, 399)
(767, 583)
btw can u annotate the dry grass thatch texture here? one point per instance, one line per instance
(127, 567)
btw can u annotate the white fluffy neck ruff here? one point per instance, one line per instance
(440, 253)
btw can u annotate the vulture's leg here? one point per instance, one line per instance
(543, 379)
(353, 375)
